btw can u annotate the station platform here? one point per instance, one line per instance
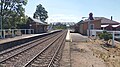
(17, 38)
(68, 36)
(7, 43)
(76, 37)
(24, 36)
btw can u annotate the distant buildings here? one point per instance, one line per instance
(98, 23)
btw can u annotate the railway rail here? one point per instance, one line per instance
(24, 55)
(49, 56)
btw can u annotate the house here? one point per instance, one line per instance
(37, 25)
(98, 23)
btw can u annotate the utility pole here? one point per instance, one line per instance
(113, 38)
(1, 16)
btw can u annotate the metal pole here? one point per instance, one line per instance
(33, 31)
(1, 16)
(4, 33)
(13, 32)
(113, 39)
(1, 26)
(88, 28)
(25, 31)
(0, 22)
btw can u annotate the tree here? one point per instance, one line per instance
(59, 25)
(11, 12)
(40, 13)
(106, 36)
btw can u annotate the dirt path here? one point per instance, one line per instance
(82, 56)
(82, 52)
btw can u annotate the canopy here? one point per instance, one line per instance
(115, 25)
(104, 25)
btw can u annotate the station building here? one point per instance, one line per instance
(98, 23)
(37, 25)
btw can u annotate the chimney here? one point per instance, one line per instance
(91, 16)
(111, 18)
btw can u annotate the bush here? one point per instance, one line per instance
(105, 35)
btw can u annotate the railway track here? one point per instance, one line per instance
(16, 50)
(50, 56)
(21, 55)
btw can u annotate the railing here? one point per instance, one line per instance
(94, 32)
(15, 32)
(115, 34)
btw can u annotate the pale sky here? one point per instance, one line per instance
(74, 10)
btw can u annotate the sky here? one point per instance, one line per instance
(74, 10)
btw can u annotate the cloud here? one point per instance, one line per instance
(63, 18)
(60, 18)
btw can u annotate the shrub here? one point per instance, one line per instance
(105, 35)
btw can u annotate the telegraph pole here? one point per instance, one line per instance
(1, 16)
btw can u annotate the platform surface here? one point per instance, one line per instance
(76, 37)
(18, 38)
(78, 53)
(23, 37)
(68, 36)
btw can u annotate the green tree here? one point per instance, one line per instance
(59, 25)
(106, 36)
(40, 13)
(11, 12)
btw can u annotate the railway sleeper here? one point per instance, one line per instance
(5, 65)
(2, 65)
(12, 60)
(16, 57)
(56, 62)
(55, 65)
(43, 57)
(38, 65)
(41, 61)
(1, 57)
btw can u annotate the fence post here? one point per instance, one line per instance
(13, 33)
(33, 31)
(30, 31)
(25, 31)
(3, 33)
(113, 39)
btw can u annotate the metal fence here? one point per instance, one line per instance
(15, 32)
(95, 32)
(115, 34)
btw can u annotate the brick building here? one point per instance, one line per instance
(99, 23)
(37, 25)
